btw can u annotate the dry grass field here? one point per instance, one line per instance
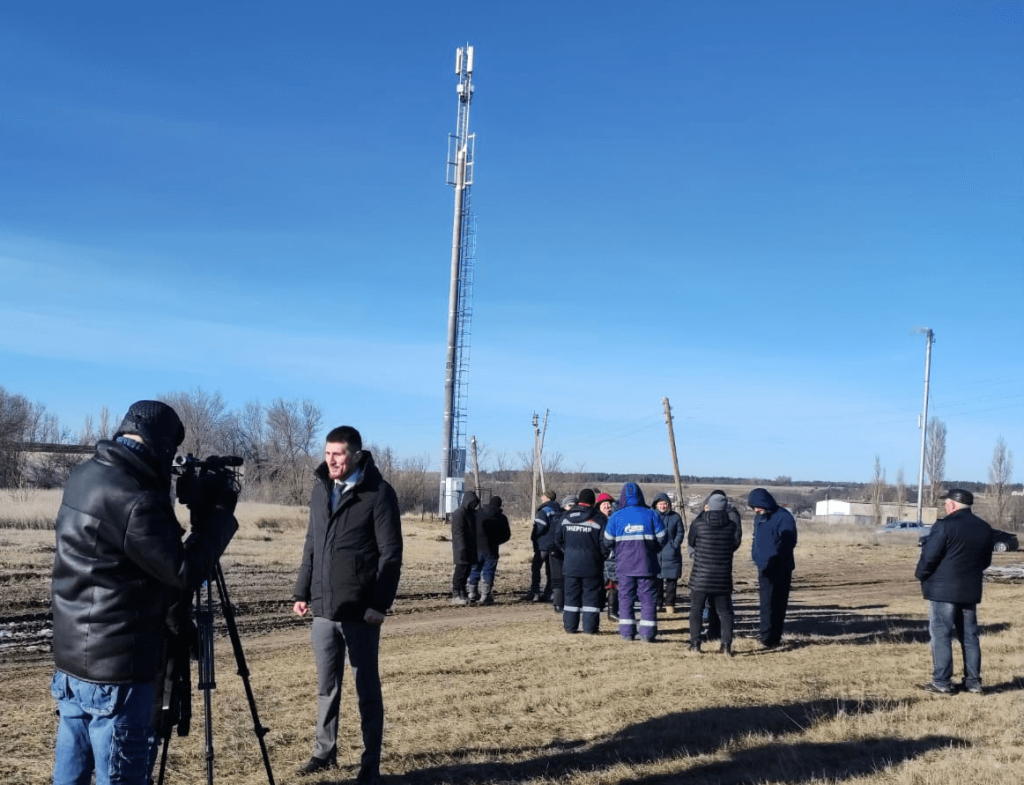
(502, 695)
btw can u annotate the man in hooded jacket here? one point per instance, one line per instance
(120, 565)
(636, 534)
(492, 531)
(772, 551)
(464, 547)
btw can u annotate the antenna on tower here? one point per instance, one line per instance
(461, 148)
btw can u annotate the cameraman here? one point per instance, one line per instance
(120, 563)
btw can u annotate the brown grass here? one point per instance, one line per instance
(502, 695)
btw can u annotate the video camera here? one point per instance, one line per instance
(207, 483)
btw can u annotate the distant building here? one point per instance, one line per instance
(837, 511)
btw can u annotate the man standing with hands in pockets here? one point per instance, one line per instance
(351, 564)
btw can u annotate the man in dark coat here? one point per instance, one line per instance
(714, 537)
(541, 536)
(579, 539)
(950, 568)
(120, 564)
(772, 551)
(351, 565)
(492, 531)
(464, 551)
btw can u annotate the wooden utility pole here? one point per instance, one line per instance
(536, 462)
(540, 451)
(476, 465)
(681, 505)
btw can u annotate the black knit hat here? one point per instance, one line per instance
(158, 425)
(587, 497)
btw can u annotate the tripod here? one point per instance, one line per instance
(207, 681)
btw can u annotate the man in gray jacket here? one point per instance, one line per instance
(952, 561)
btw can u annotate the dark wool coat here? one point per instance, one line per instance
(464, 530)
(120, 563)
(953, 558)
(352, 559)
(714, 537)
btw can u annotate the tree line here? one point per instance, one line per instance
(280, 444)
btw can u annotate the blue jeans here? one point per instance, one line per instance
(106, 727)
(484, 569)
(944, 620)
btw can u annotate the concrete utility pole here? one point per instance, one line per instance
(929, 339)
(675, 460)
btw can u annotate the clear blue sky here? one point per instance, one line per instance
(745, 207)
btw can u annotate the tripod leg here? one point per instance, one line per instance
(243, 670)
(207, 680)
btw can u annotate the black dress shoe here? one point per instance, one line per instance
(316, 764)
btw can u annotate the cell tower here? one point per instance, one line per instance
(460, 294)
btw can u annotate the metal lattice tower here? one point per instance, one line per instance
(461, 146)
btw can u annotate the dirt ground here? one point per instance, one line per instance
(853, 581)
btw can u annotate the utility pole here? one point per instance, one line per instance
(536, 460)
(923, 424)
(476, 465)
(461, 146)
(540, 451)
(675, 460)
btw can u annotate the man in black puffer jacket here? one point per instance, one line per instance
(714, 537)
(119, 565)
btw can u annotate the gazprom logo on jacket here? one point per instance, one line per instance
(633, 528)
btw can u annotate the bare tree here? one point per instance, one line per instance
(17, 419)
(877, 492)
(935, 458)
(291, 434)
(205, 419)
(1000, 472)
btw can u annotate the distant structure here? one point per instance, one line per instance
(863, 513)
(461, 146)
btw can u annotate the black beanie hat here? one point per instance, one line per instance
(587, 497)
(158, 426)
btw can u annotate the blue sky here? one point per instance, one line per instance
(744, 207)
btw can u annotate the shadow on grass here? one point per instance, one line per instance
(682, 734)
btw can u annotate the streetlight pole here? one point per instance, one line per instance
(929, 339)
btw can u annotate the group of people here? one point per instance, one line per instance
(478, 531)
(122, 567)
(592, 553)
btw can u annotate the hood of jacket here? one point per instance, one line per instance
(470, 501)
(661, 497)
(631, 496)
(759, 497)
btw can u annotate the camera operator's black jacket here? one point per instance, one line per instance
(120, 562)
(352, 559)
